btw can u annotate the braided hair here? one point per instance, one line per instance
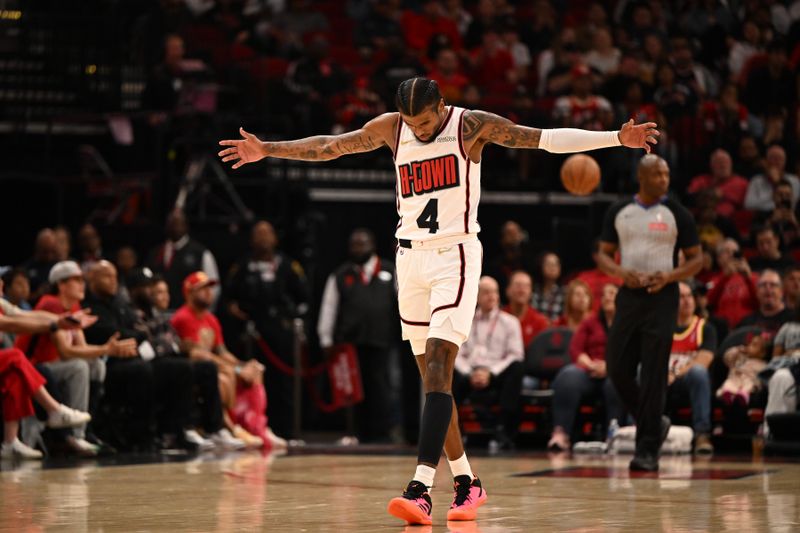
(415, 95)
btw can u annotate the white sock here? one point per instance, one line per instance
(424, 475)
(460, 467)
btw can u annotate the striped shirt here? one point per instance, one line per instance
(649, 237)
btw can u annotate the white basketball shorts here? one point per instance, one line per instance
(438, 290)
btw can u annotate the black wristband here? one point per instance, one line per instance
(53, 326)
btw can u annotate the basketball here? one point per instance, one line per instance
(580, 174)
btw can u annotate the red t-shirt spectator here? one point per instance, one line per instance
(44, 350)
(532, 323)
(590, 338)
(731, 191)
(451, 86)
(733, 297)
(419, 29)
(203, 329)
(596, 279)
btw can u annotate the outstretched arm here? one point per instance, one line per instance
(481, 128)
(375, 133)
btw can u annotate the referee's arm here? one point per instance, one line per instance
(692, 265)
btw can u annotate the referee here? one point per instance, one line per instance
(648, 230)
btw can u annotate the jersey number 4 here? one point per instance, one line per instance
(427, 219)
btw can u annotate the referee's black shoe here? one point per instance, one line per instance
(648, 461)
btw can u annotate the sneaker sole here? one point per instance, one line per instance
(407, 510)
(66, 425)
(469, 513)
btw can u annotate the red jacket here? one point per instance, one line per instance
(590, 338)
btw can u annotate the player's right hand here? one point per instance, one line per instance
(247, 150)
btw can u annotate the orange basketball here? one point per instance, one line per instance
(580, 174)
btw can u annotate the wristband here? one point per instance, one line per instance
(53, 326)
(237, 369)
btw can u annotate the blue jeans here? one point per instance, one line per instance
(698, 384)
(571, 385)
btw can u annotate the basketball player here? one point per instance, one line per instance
(437, 153)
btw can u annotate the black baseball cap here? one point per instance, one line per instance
(139, 277)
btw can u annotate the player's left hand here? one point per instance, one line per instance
(656, 282)
(639, 135)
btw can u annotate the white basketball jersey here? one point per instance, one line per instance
(438, 187)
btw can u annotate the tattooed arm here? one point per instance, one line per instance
(480, 128)
(375, 133)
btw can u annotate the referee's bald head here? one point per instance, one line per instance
(648, 162)
(653, 176)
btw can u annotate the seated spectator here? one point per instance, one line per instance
(743, 49)
(732, 292)
(727, 119)
(586, 376)
(673, 98)
(514, 254)
(381, 24)
(548, 295)
(491, 361)
(577, 305)
(519, 299)
(748, 157)
(63, 243)
(72, 361)
(20, 382)
(582, 109)
(791, 287)
(604, 57)
(155, 391)
(689, 72)
(38, 267)
(783, 219)
(730, 188)
(491, 63)
(596, 279)
(201, 334)
(771, 313)
(126, 259)
(769, 252)
(771, 82)
(90, 247)
(161, 297)
(179, 256)
(17, 288)
(782, 385)
(419, 28)
(448, 75)
(744, 363)
(711, 226)
(761, 190)
(693, 345)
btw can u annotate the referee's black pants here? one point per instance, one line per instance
(642, 334)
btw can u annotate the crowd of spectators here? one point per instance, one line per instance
(713, 75)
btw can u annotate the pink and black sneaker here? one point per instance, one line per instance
(414, 506)
(468, 497)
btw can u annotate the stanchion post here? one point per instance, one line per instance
(299, 340)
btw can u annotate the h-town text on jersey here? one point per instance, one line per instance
(423, 177)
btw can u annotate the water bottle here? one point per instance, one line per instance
(613, 428)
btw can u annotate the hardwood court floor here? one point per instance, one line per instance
(348, 493)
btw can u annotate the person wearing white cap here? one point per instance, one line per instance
(20, 382)
(72, 362)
